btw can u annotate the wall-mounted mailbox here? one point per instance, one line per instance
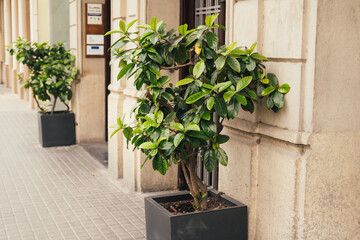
(94, 30)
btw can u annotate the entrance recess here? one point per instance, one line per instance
(193, 13)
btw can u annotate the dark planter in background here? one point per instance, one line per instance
(57, 129)
(228, 223)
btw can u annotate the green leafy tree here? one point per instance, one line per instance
(176, 124)
(51, 70)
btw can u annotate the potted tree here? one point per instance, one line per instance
(51, 73)
(179, 123)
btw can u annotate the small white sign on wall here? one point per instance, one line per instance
(94, 50)
(95, 39)
(94, 14)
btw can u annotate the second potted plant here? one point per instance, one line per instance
(52, 71)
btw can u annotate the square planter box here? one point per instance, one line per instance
(57, 129)
(227, 223)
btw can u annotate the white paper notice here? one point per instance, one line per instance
(94, 14)
(95, 39)
(94, 50)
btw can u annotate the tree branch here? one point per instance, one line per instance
(177, 66)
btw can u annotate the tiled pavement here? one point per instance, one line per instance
(57, 193)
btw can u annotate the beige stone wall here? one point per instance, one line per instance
(298, 170)
(332, 197)
(88, 102)
(2, 44)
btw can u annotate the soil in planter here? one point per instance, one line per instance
(185, 206)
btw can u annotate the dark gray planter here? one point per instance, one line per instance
(57, 129)
(228, 223)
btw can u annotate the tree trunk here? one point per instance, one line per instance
(53, 106)
(197, 188)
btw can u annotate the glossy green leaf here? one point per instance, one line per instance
(209, 160)
(265, 80)
(148, 145)
(270, 101)
(192, 127)
(267, 91)
(198, 134)
(184, 81)
(220, 62)
(285, 88)
(160, 164)
(272, 79)
(156, 57)
(279, 99)
(241, 99)
(238, 52)
(244, 82)
(124, 70)
(153, 23)
(199, 69)
(251, 65)
(168, 96)
(178, 138)
(122, 26)
(182, 29)
(164, 145)
(154, 38)
(156, 72)
(212, 40)
(233, 108)
(233, 63)
(230, 48)
(159, 116)
(130, 24)
(220, 106)
(222, 138)
(170, 117)
(221, 156)
(209, 20)
(228, 95)
(177, 126)
(251, 93)
(222, 86)
(209, 128)
(252, 47)
(206, 115)
(259, 56)
(195, 97)
(210, 103)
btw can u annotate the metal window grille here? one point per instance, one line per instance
(205, 8)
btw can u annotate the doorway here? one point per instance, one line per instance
(193, 13)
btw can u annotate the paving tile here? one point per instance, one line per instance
(58, 192)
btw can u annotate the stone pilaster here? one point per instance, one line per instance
(22, 21)
(8, 39)
(15, 35)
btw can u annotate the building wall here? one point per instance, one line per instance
(332, 203)
(2, 43)
(297, 170)
(88, 102)
(44, 20)
(59, 21)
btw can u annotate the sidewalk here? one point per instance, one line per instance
(57, 193)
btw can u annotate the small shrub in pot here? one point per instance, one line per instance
(52, 71)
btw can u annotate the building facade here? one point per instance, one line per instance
(298, 171)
